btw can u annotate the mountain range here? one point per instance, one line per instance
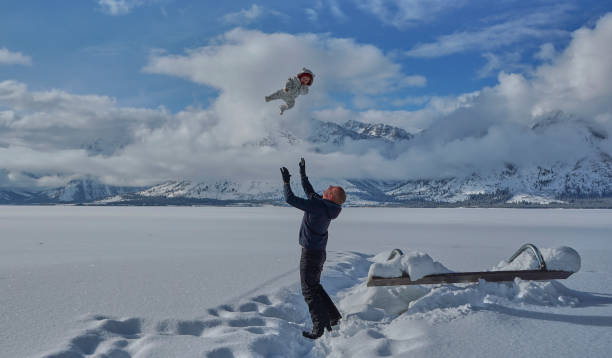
(586, 182)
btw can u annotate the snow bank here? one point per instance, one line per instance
(447, 302)
(377, 321)
(418, 264)
(561, 258)
(401, 320)
(415, 264)
(373, 303)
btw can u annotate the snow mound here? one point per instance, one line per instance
(437, 303)
(374, 303)
(418, 264)
(561, 258)
(415, 264)
(446, 302)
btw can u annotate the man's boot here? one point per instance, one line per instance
(317, 331)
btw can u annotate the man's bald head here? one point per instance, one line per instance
(335, 194)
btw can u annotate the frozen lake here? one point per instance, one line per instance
(61, 264)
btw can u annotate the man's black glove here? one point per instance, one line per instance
(303, 167)
(285, 174)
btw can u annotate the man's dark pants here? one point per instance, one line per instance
(321, 307)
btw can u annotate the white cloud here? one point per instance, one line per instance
(495, 127)
(245, 65)
(252, 14)
(336, 10)
(72, 129)
(312, 15)
(121, 7)
(547, 52)
(532, 26)
(43, 132)
(410, 101)
(244, 16)
(411, 121)
(148, 146)
(13, 58)
(577, 81)
(508, 62)
(413, 81)
(403, 13)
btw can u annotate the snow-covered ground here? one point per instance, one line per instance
(223, 282)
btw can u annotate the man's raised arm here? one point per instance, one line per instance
(299, 203)
(308, 190)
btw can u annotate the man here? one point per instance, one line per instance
(318, 213)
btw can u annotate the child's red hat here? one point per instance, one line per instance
(306, 73)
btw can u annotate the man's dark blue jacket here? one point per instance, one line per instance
(318, 213)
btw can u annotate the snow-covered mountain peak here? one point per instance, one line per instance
(591, 131)
(85, 189)
(379, 130)
(588, 174)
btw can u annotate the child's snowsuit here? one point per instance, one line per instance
(293, 88)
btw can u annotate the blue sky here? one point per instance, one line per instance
(135, 92)
(84, 47)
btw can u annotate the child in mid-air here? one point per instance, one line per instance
(295, 86)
